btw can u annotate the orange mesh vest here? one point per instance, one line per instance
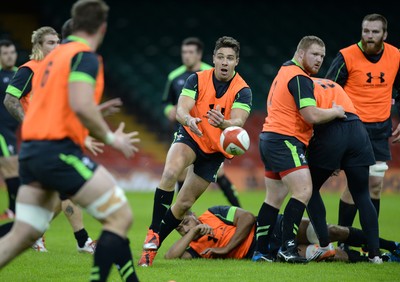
(207, 100)
(370, 85)
(326, 91)
(283, 116)
(33, 65)
(222, 235)
(50, 116)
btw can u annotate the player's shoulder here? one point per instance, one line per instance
(176, 72)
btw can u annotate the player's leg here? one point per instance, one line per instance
(181, 179)
(34, 213)
(193, 188)
(376, 176)
(75, 218)
(347, 209)
(9, 172)
(316, 207)
(299, 184)
(180, 156)
(267, 216)
(105, 201)
(227, 187)
(357, 178)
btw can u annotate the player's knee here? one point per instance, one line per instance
(375, 191)
(37, 217)
(171, 174)
(303, 196)
(107, 204)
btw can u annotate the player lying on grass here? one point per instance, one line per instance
(229, 232)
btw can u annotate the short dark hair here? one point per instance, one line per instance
(376, 17)
(66, 29)
(194, 41)
(6, 43)
(88, 15)
(228, 42)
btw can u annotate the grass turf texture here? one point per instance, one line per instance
(64, 263)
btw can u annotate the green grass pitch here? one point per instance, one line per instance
(64, 263)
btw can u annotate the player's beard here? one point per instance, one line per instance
(372, 48)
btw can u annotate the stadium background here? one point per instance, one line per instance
(143, 45)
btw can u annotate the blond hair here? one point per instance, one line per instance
(37, 41)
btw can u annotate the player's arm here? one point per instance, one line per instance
(244, 222)
(302, 89)
(178, 250)
(186, 102)
(81, 87)
(19, 86)
(14, 107)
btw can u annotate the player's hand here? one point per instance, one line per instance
(215, 252)
(396, 133)
(110, 107)
(192, 124)
(204, 229)
(124, 142)
(340, 113)
(94, 146)
(215, 117)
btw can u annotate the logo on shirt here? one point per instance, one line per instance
(375, 77)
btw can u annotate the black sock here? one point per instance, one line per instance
(109, 247)
(169, 223)
(355, 256)
(266, 221)
(291, 219)
(180, 184)
(5, 228)
(12, 188)
(387, 245)
(229, 190)
(162, 202)
(347, 213)
(81, 237)
(356, 237)
(377, 204)
(124, 263)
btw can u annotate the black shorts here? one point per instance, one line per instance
(58, 165)
(280, 152)
(8, 141)
(340, 144)
(379, 134)
(206, 165)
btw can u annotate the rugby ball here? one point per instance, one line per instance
(235, 140)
